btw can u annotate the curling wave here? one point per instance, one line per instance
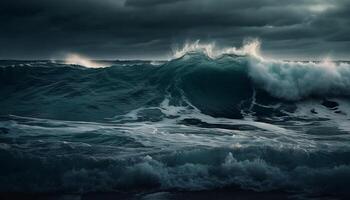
(223, 83)
(288, 80)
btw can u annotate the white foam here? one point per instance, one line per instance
(297, 80)
(251, 48)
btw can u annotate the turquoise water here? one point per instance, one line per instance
(190, 124)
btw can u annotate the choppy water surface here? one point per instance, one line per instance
(190, 124)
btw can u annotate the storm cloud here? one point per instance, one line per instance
(289, 29)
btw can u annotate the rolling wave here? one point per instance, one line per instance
(222, 83)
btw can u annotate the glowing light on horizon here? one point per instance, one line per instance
(75, 59)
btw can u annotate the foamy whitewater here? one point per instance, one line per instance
(209, 119)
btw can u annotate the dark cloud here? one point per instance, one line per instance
(149, 28)
(146, 3)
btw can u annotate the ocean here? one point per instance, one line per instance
(193, 127)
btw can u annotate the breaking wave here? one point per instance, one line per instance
(219, 82)
(288, 80)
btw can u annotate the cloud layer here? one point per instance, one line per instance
(150, 28)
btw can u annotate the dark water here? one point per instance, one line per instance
(175, 128)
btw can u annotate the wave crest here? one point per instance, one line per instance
(251, 47)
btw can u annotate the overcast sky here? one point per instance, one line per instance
(289, 29)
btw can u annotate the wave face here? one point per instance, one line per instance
(226, 86)
(202, 121)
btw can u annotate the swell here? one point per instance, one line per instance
(73, 92)
(224, 86)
